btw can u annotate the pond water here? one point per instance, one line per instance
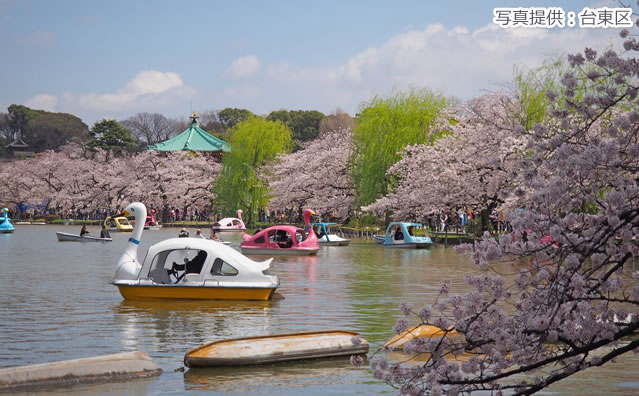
(57, 303)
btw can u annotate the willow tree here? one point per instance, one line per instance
(385, 126)
(254, 142)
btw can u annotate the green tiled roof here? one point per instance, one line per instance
(193, 138)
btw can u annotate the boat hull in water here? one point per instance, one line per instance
(409, 245)
(276, 348)
(333, 240)
(177, 292)
(279, 252)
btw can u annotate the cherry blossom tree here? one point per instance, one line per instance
(181, 179)
(574, 301)
(316, 177)
(70, 180)
(476, 165)
(18, 184)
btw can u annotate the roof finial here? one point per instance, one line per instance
(194, 118)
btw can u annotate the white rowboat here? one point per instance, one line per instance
(65, 237)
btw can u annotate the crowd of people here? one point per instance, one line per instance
(171, 214)
(457, 220)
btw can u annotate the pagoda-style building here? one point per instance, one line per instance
(18, 148)
(194, 138)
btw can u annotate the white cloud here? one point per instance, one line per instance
(38, 38)
(245, 66)
(242, 94)
(457, 61)
(42, 102)
(147, 87)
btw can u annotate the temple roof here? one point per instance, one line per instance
(18, 143)
(193, 138)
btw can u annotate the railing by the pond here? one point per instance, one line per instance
(362, 233)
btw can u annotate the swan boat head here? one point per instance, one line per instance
(128, 265)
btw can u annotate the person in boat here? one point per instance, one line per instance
(284, 240)
(193, 266)
(399, 235)
(183, 233)
(258, 229)
(84, 230)
(214, 235)
(104, 233)
(198, 233)
(319, 232)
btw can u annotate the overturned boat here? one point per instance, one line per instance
(276, 348)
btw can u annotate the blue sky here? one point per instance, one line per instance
(114, 58)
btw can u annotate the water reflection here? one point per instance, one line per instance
(268, 378)
(191, 322)
(123, 387)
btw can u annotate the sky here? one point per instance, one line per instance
(112, 59)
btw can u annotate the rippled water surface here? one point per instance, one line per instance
(57, 303)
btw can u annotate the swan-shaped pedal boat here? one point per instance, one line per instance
(5, 223)
(283, 240)
(118, 223)
(327, 234)
(402, 235)
(151, 223)
(230, 223)
(189, 268)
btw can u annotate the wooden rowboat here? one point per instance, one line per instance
(275, 348)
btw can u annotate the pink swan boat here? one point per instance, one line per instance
(230, 223)
(151, 223)
(283, 240)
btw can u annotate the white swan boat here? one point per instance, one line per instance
(330, 234)
(230, 223)
(189, 268)
(66, 237)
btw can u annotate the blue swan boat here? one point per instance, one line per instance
(402, 235)
(5, 223)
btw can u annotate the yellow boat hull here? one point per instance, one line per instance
(426, 331)
(136, 292)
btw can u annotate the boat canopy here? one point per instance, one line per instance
(220, 260)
